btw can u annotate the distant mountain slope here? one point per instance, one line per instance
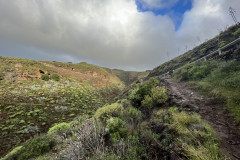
(205, 48)
(23, 69)
(130, 76)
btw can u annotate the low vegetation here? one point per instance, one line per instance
(34, 96)
(128, 130)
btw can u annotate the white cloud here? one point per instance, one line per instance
(111, 33)
(205, 20)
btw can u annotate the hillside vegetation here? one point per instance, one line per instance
(140, 126)
(34, 95)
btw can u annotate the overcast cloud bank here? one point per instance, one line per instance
(110, 33)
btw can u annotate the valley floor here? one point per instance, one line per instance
(212, 111)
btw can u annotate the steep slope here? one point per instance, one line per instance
(205, 48)
(215, 86)
(34, 95)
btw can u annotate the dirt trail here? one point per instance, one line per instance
(212, 111)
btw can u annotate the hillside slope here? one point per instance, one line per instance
(142, 125)
(34, 95)
(205, 48)
(16, 69)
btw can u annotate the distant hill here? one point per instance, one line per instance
(129, 76)
(15, 69)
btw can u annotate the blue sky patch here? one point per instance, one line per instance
(175, 12)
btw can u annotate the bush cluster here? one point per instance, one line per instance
(45, 77)
(54, 77)
(137, 95)
(60, 128)
(32, 148)
(237, 32)
(148, 94)
(157, 97)
(117, 128)
(108, 111)
(133, 115)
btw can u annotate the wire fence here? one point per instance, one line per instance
(218, 51)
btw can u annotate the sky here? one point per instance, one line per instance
(125, 34)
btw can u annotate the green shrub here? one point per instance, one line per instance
(60, 129)
(194, 147)
(45, 77)
(31, 148)
(148, 101)
(147, 136)
(229, 67)
(55, 77)
(162, 116)
(182, 73)
(132, 154)
(222, 43)
(138, 95)
(137, 150)
(12, 154)
(135, 98)
(113, 110)
(203, 50)
(134, 115)
(117, 128)
(157, 97)
(198, 72)
(237, 32)
(125, 103)
(210, 66)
